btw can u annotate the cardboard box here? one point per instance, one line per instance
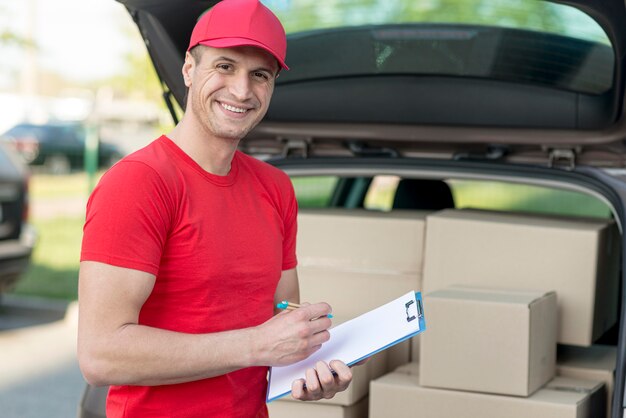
(578, 258)
(357, 260)
(591, 363)
(415, 348)
(493, 341)
(353, 293)
(288, 409)
(399, 395)
(362, 241)
(399, 354)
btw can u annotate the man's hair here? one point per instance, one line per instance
(196, 52)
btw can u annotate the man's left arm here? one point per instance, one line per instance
(323, 381)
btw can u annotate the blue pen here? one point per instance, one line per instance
(289, 306)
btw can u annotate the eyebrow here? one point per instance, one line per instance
(223, 58)
(233, 61)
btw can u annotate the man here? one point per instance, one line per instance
(189, 244)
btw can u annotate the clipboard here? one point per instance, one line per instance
(357, 339)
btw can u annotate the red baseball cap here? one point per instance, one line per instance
(233, 23)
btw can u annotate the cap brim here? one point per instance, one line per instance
(234, 42)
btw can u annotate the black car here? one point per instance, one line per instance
(17, 237)
(399, 107)
(58, 147)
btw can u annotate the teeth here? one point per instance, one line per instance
(233, 108)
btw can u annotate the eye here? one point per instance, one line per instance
(224, 67)
(261, 75)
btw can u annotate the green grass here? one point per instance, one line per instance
(46, 186)
(53, 272)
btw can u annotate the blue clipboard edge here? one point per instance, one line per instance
(422, 322)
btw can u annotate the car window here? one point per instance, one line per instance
(525, 198)
(541, 16)
(523, 41)
(318, 192)
(381, 193)
(314, 191)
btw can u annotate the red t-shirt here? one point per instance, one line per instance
(217, 245)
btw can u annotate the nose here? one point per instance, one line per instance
(240, 86)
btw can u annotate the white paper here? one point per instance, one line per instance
(354, 340)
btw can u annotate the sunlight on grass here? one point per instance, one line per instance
(53, 272)
(46, 186)
(54, 266)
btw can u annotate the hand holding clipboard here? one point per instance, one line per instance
(356, 340)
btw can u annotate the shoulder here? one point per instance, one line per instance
(262, 169)
(150, 164)
(272, 180)
(143, 174)
(154, 155)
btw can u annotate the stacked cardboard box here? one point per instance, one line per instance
(594, 363)
(493, 341)
(490, 346)
(356, 260)
(577, 258)
(298, 409)
(400, 395)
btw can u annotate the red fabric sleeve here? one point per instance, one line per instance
(128, 218)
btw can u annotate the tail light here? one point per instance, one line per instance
(27, 147)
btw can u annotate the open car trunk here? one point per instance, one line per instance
(438, 169)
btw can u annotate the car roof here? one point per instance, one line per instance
(328, 100)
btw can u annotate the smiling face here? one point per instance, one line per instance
(229, 89)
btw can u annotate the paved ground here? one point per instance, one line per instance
(39, 375)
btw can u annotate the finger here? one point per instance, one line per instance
(326, 379)
(317, 310)
(319, 325)
(313, 387)
(319, 338)
(297, 389)
(343, 373)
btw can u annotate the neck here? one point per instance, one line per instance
(213, 154)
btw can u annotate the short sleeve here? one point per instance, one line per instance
(290, 219)
(128, 218)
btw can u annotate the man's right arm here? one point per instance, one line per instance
(114, 349)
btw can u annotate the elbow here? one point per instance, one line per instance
(94, 369)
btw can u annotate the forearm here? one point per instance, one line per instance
(113, 349)
(140, 355)
(288, 289)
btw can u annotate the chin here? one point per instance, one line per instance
(232, 134)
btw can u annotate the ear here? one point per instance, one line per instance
(189, 67)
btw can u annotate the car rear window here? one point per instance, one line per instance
(523, 41)
(314, 191)
(493, 195)
(318, 192)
